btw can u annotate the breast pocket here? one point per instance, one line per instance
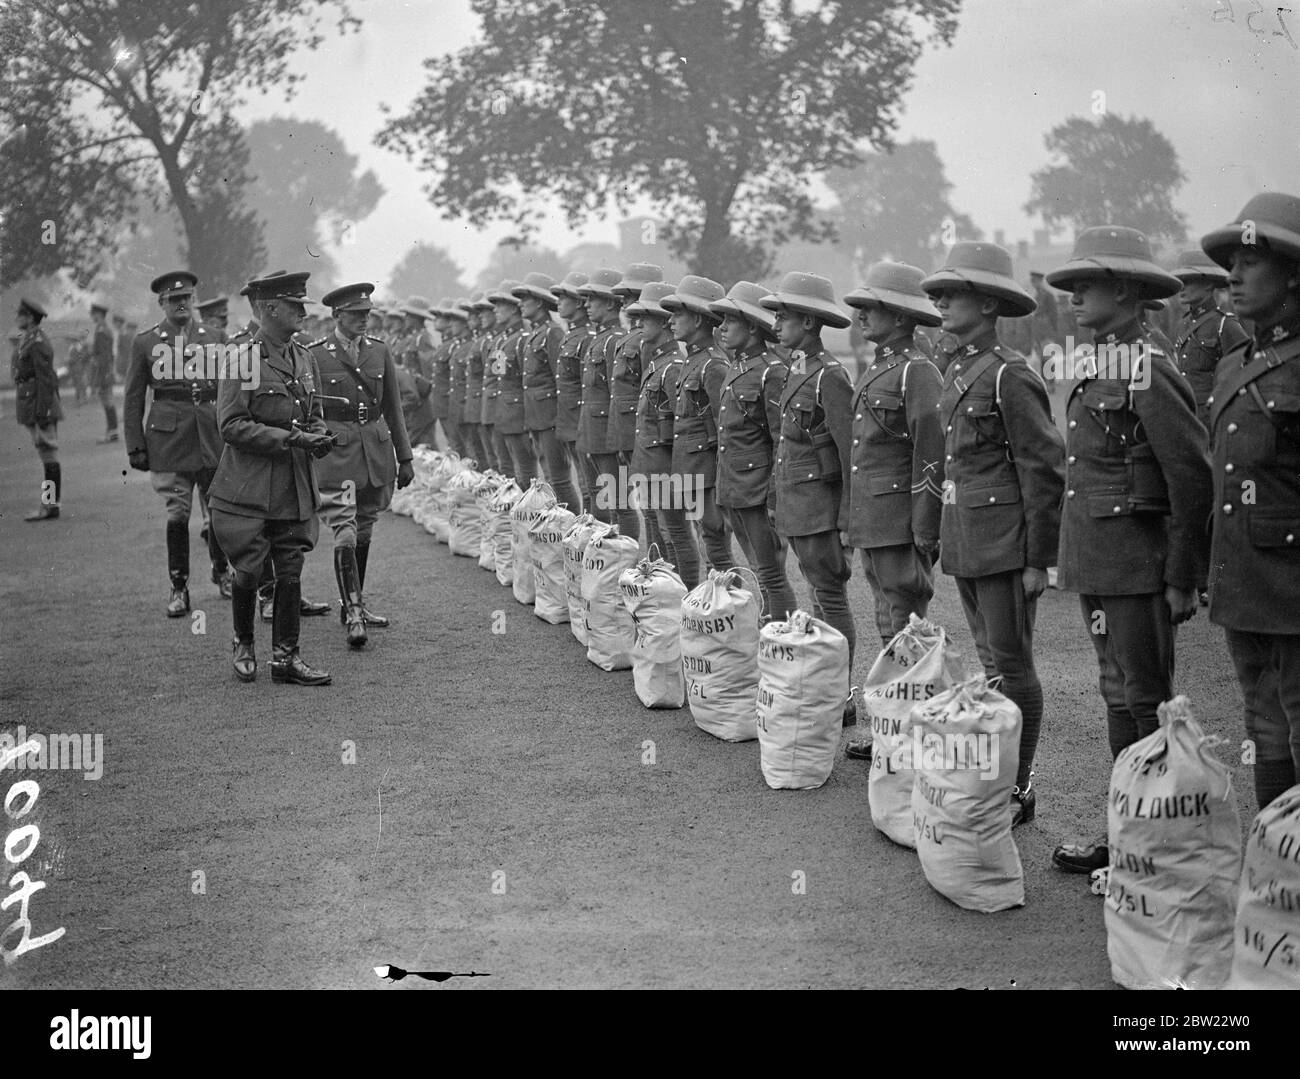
(272, 408)
(1278, 422)
(797, 419)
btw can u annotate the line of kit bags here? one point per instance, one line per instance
(1179, 910)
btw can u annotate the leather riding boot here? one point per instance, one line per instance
(243, 608)
(178, 568)
(363, 556)
(286, 664)
(345, 572)
(266, 591)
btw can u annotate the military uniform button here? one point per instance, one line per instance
(1072, 424)
(858, 416)
(1270, 404)
(1116, 509)
(778, 460)
(856, 441)
(1290, 537)
(810, 475)
(1228, 468)
(949, 457)
(1241, 392)
(993, 498)
(855, 468)
(1069, 460)
(1227, 507)
(722, 449)
(950, 428)
(970, 408)
(1232, 428)
(1209, 400)
(1069, 494)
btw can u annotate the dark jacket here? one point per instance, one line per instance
(1004, 463)
(813, 453)
(182, 423)
(749, 424)
(37, 386)
(695, 417)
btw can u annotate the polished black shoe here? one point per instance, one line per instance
(356, 626)
(849, 717)
(308, 609)
(372, 619)
(287, 666)
(1082, 857)
(1024, 805)
(859, 750)
(45, 513)
(245, 662)
(178, 606)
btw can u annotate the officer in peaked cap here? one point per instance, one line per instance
(895, 480)
(541, 362)
(37, 389)
(600, 457)
(1206, 332)
(1004, 468)
(1255, 450)
(215, 313)
(749, 425)
(661, 369)
(264, 499)
(571, 307)
(180, 446)
(814, 446)
(505, 378)
(363, 411)
(1137, 477)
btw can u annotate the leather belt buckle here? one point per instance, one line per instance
(196, 393)
(363, 413)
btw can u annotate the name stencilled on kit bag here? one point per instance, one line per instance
(932, 794)
(1271, 892)
(697, 664)
(1165, 807)
(900, 691)
(769, 650)
(766, 698)
(1283, 844)
(709, 625)
(632, 589)
(548, 537)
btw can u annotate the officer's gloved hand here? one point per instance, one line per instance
(405, 474)
(316, 444)
(927, 545)
(139, 460)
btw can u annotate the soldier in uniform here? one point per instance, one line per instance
(493, 365)
(395, 337)
(749, 424)
(263, 498)
(1207, 332)
(1004, 462)
(414, 351)
(578, 332)
(181, 447)
(1137, 478)
(1255, 450)
(652, 457)
(600, 459)
(101, 370)
(625, 384)
(895, 480)
(363, 411)
(375, 324)
(37, 388)
(507, 365)
(439, 372)
(541, 364)
(215, 315)
(477, 441)
(457, 333)
(814, 449)
(695, 416)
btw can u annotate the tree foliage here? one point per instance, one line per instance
(716, 112)
(1111, 171)
(426, 270)
(873, 222)
(110, 102)
(310, 195)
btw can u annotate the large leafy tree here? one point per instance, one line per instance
(895, 206)
(426, 270)
(716, 112)
(111, 102)
(310, 195)
(1109, 171)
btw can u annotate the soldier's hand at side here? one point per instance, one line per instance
(405, 474)
(1034, 581)
(926, 544)
(1182, 603)
(139, 460)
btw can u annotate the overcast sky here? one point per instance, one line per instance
(1224, 92)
